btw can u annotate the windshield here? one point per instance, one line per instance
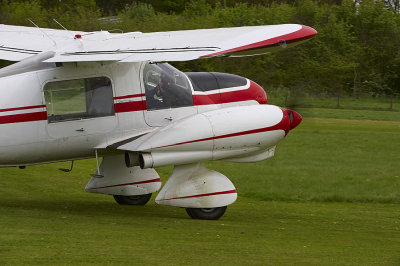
(166, 87)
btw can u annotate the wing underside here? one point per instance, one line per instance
(18, 43)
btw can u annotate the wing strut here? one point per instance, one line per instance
(27, 64)
(98, 173)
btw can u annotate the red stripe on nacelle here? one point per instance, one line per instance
(134, 183)
(204, 195)
(29, 117)
(283, 125)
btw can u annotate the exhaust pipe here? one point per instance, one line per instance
(146, 160)
(131, 159)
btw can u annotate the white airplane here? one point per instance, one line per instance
(76, 95)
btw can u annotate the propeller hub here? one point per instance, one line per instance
(293, 117)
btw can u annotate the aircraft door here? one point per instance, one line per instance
(168, 94)
(79, 106)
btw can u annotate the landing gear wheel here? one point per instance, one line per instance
(206, 213)
(132, 200)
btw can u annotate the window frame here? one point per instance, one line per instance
(164, 106)
(87, 116)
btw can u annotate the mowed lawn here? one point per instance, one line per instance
(330, 196)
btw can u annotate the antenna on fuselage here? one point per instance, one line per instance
(43, 32)
(67, 30)
(60, 24)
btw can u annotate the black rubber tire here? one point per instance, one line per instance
(206, 213)
(132, 200)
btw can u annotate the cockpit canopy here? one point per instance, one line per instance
(167, 87)
(208, 81)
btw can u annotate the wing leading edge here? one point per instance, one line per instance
(18, 43)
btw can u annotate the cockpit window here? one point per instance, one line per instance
(208, 81)
(166, 87)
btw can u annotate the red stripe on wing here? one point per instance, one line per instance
(304, 33)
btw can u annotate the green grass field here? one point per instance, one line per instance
(330, 196)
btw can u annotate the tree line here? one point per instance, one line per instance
(357, 48)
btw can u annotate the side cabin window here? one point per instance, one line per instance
(78, 99)
(166, 87)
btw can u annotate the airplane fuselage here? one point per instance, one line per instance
(39, 125)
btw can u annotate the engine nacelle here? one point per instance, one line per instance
(229, 133)
(119, 180)
(195, 186)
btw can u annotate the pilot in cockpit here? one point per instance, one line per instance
(166, 87)
(161, 94)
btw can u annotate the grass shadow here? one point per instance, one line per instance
(83, 207)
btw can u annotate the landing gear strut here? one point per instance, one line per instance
(206, 213)
(132, 200)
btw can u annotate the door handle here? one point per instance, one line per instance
(80, 130)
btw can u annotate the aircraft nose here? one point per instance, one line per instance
(294, 118)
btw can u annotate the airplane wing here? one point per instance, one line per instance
(18, 43)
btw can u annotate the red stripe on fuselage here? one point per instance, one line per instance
(129, 96)
(254, 93)
(205, 195)
(130, 106)
(22, 108)
(28, 117)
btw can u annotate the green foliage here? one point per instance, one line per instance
(19, 13)
(79, 17)
(378, 33)
(139, 11)
(73, 14)
(197, 8)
